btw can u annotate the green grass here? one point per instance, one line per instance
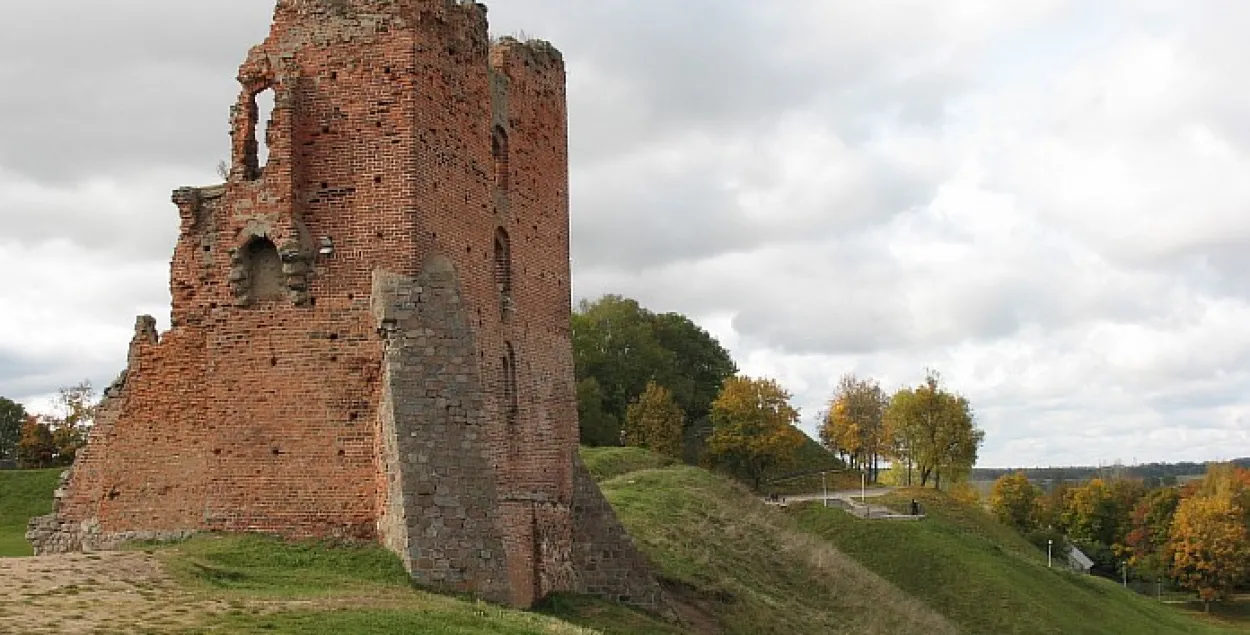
(736, 565)
(264, 566)
(358, 589)
(24, 494)
(985, 577)
(463, 619)
(605, 463)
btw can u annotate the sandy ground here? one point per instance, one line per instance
(96, 593)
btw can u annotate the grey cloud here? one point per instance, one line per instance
(121, 84)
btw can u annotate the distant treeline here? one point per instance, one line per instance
(1152, 474)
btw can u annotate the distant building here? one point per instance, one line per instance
(1078, 561)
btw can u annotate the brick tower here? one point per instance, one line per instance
(370, 329)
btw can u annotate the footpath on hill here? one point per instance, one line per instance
(853, 501)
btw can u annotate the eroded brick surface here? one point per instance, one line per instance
(370, 330)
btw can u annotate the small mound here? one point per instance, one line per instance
(606, 463)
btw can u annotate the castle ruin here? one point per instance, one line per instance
(370, 331)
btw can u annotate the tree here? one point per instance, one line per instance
(597, 427)
(1016, 502)
(76, 410)
(854, 425)
(1150, 527)
(655, 422)
(1098, 517)
(934, 431)
(36, 449)
(701, 364)
(623, 346)
(753, 429)
(12, 416)
(1210, 545)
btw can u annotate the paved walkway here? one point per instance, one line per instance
(849, 501)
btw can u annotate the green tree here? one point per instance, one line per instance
(623, 346)
(597, 427)
(753, 429)
(854, 424)
(701, 364)
(12, 416)
(934, 431)
(36, 448)
(655, 422)
(1016, 502)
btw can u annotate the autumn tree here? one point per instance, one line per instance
(1016, 502)
(1097, 516)
(655, 422)
(933, 431)
(12, 416)
(753, 429)
(1150, 527)
(854, 425)
(1210, 545)
(76, 408)
(36, 448)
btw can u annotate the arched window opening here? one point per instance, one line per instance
(264, 272)
(503, 269)
(260, 111)
(511, 403)
(499, 152)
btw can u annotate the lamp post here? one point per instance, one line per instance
(863, 492)
(824, 484)
(1049, 542)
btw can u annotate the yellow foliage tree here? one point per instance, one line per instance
(654, 421)
(854, 425)
(1210, 545)
(1016, 502)
(753, 428)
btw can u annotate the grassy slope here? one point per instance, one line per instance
(985, 577)
(606, 463)
(748, 567)
(24, 494)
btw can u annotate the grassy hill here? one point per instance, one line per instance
(24, 494)
(986, 578)
(737, 566)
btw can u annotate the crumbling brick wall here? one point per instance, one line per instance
(370, 326)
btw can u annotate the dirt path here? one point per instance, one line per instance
(96, 593)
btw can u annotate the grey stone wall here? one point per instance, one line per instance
(441, 489)
(606, 561)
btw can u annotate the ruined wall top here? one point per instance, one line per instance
(413, 9)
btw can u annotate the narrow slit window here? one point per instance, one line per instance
(499, 152)
(503, 269)
(511, 402)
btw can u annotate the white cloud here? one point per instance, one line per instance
(1044, 199)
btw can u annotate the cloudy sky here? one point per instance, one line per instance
(1046, 200)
